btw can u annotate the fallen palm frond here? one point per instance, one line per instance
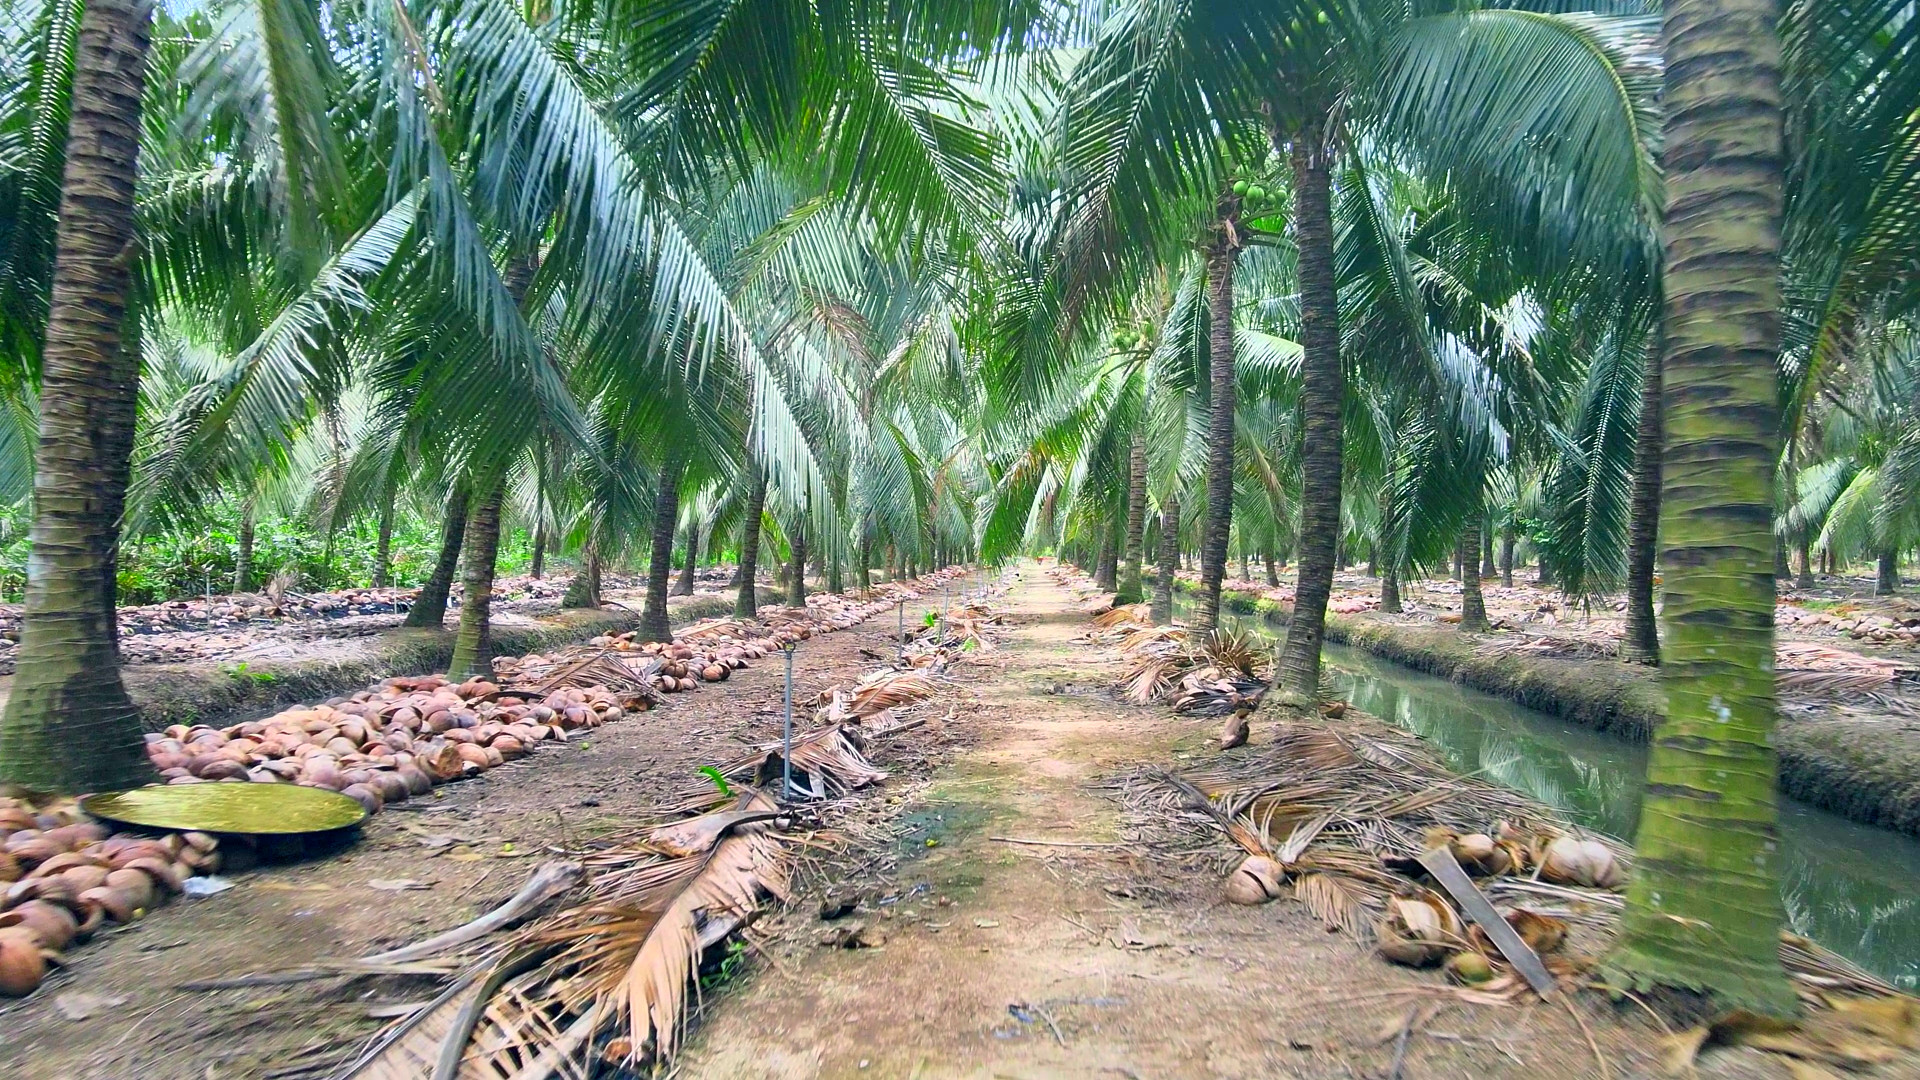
(1135, 614)
(875, 694)
(610, 978)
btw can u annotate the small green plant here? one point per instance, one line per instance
(240, 672)
(932, 617)
(730, 968)
(719, 782)
(969, 645)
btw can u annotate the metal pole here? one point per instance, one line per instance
(900, 609)
(786, 734)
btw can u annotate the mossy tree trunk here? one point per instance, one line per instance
(1506, 556)
(1887, 582)
(654, 624)
(1641, 641)
(583, 592)
(1273, 571)
(69, 724)
(1130, 590)
(1703, 908)
(746, 604)
(1102, 577)
(1323, 385)
(1223, 255)
(473, 642)
(1805, 578)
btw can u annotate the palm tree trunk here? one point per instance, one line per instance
(1487, 569)
(746, 604)
(1888, 581)
(1506, 556)
(1641, 640)
(1130, 591)
(584, 590)
(473, 642)
(69, 724)
(1703, 908)
(1322, 387)
(1103, 577)
(863, 568)
(1473, 606)
(243, 551)
(1222, 256)
(1390, 589)
(430, 607)
(654, 625)
(538, 568)
(684, 586)
(383, 543)
(797, 572)
(1273, 572)
(1805, 580)
(1162, 609)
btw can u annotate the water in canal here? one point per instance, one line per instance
(1853, 888)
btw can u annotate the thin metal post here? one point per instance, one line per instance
(786, 733)
(900, 609)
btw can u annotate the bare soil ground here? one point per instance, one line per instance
(1035, 940)
(1017, 931)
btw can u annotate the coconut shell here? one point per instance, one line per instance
(365, 796)
(1256, 880)
(120, 905)
(55, 926)
(23, 963)
(138, 883)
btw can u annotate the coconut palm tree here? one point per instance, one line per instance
(1703, 908)
(67, 688)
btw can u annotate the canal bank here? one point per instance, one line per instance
(1847, 885)
(1864, 771)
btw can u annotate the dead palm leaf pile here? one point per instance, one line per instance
(1810, 669)
(873, 695)
(1205, 674)
(605, 984)
(1348, 823)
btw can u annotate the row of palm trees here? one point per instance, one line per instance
(885, 288)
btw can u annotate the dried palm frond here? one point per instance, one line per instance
(875, 694)
(1337, 902)
(1152, 635)
(827, 762)
(624, 958)
(1135, 614)
(1148, 677)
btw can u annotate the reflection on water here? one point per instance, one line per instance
(1851, 887)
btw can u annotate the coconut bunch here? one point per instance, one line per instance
(66, 876)
(388, 743)
(607, 982)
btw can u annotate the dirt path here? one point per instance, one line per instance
(1080, 954)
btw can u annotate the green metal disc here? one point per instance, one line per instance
(229, 808)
